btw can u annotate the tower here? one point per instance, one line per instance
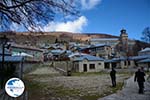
(124, 41)
(123, 35)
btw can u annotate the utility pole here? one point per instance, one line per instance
(4, 41)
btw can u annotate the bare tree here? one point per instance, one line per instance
(33, 13)
(146, 35)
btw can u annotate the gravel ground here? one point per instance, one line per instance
(94, 84)
(90, 84)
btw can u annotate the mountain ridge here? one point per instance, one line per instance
(34, 38)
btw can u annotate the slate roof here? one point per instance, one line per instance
(12, 58)
(77, 54)
(26, 47)
(129, 58)
(94, 46)
(110, 61)
(21, 54)
(145, 50)
(145, 61)
(88, 57)
(100, 45)
(59, 52)
(115, 60)
(140, 57)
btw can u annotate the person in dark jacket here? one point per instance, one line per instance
(139, 77)
(113, 77)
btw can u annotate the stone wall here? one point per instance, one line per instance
(29, 66)
(65, 65)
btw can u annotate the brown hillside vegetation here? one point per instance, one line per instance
(34, 38)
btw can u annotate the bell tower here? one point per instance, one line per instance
(123, 35)
(124, 40)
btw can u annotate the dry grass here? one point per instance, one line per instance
(81, 86)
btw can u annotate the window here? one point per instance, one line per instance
(125, 63)
(129, 63)
(92, 66)
(99, 63)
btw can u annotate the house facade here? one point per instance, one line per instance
(87, 63)
(98, 50)
(120, 63)
(105, 41)
(145, 51)
(12, 65)
(88, 66)
(145, 62)
(35, 53)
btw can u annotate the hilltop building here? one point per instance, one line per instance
(121, 46)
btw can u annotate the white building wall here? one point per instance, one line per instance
(122, 64)
(80, 67)
(132, 63)
(99, 65)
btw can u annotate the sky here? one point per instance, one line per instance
(106, 16)
(110, 16)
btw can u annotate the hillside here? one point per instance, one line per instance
(36, 38)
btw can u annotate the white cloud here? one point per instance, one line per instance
(89, 4)
(14, 27)
(17, 27)
(70, 26)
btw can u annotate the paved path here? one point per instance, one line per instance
(130, 92)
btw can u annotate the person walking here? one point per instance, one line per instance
(139, 78)
(113, 77)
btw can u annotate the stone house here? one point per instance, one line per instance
(107, 41)
(98, 50)
(121, 62)
(60, 55)
(13, 65)
(145, 51)
(142, 60)
(37, 54)
(128, 62)
(87, 63)
(145, 62)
